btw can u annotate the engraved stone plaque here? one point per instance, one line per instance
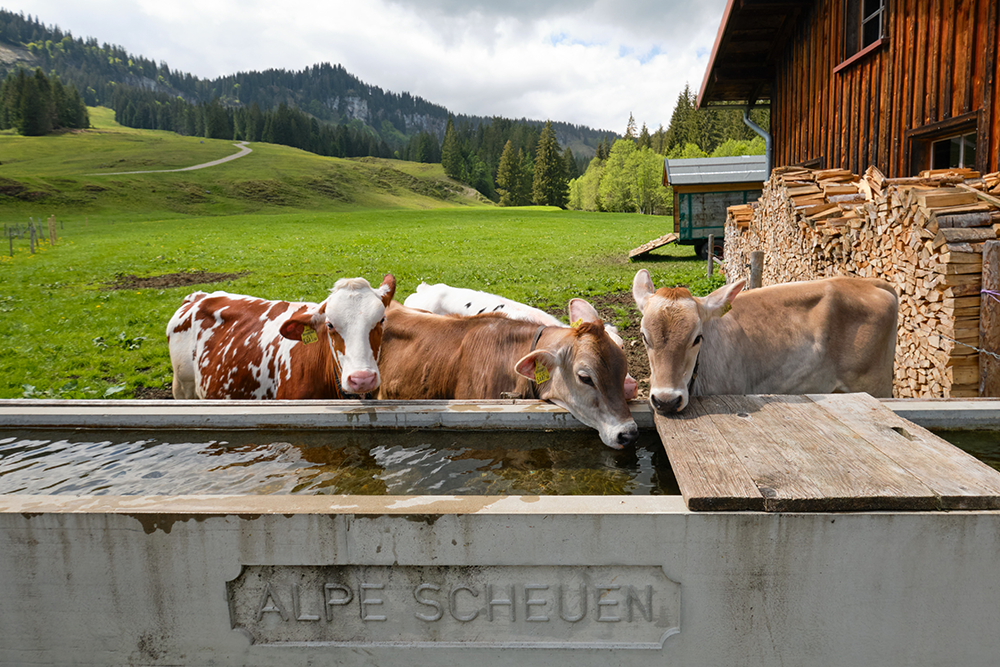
(612, 607)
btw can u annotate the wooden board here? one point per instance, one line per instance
(837, 453)
(652, 245)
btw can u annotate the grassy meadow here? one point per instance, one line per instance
(74, 323)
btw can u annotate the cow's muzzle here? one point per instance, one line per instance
(667, 402)
(362, 382)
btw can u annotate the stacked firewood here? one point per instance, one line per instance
(923, 234)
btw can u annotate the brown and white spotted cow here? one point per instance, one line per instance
(240, 347)
(429, 356)
(817, 337)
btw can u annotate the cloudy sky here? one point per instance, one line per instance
(590, 62)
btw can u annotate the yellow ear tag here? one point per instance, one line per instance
(541, 372)
(726, 307)
(309, 335)
(577, 323)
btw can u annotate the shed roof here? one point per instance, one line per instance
(709, 170)
(750, 38)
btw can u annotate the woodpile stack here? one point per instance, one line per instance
(924, 235)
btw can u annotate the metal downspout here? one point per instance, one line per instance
(759, 130)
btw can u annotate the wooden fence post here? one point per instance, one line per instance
(756, 269)
(989, 321)
(31, 234)
(711, 253)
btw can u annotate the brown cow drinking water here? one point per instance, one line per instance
(428, 356)
(446, 300)
(232, 346)
(824, 336)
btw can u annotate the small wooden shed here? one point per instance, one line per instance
(704, 188)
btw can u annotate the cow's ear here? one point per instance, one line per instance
(582, 310)
(537, 365)
(387, 289)
(642, 288)
(720, 301)
(293, 327)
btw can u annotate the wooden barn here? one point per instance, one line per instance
(904, 85)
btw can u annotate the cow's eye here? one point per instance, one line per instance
(329, 326)
(586, 379)
(697, 340)
(645, 341)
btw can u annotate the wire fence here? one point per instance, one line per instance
(35, 231)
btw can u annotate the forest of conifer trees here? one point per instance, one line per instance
(325, 110)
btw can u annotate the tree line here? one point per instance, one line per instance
(325, 110)
(35, 104)
(629, 176)
(325, 92)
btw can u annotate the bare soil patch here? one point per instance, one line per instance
(635, 351)
(167, 280)
(153, 393)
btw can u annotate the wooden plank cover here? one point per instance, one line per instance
(835, 453)
(652, 245)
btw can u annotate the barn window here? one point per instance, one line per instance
(864, 23)
(946, 144)
(864, 30)
(957, 151)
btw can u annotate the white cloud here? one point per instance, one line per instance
(591, 63)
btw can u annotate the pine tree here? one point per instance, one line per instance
(549, 186)
(526, 178)
(451, 153)
(36, 106)
(630, 129)
(603, 149)
(508, 175)
(572, 169)
(645, 141)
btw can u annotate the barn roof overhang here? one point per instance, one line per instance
(742, 68)
(715, 170)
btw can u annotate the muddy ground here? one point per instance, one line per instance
(167, 280)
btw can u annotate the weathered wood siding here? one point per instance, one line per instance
(939, 62)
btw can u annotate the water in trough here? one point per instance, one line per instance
(357, 462)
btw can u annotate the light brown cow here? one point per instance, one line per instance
(232, 346)
(446, 300)
(428, 356)
(824, 336)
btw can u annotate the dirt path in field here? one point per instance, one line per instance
(242, 145)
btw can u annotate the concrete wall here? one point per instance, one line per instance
(492, 581)
(430, 580)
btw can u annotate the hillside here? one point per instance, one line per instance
(77, 174)
(326, 92)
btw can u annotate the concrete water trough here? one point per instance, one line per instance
(809, 530)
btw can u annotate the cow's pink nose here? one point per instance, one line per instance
(361, 382)
(631, 388)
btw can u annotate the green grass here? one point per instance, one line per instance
(65, 334)
(73, 175)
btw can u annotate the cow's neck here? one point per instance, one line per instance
(322, 380)
(719, 368)
(548, 338)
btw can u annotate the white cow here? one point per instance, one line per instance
(446, 300)
(818, 337)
